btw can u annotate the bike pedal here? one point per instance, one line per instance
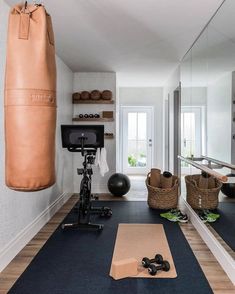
(95, 197)
(80, 171)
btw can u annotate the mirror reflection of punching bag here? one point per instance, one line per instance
(30, 99)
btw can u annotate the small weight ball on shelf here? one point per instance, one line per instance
(119, 184)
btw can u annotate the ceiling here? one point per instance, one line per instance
(141, 40)
(213, 55)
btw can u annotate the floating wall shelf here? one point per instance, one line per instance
(109, 137)
(93, 102)
(101, 119)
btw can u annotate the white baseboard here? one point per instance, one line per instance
(223, 257)
(21, 239)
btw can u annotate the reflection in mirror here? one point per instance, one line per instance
(208, 123)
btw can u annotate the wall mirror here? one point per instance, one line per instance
(208, 119)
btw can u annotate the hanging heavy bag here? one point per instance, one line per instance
(30, 99)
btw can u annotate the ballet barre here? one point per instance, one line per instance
(220, 163)
(204, 168)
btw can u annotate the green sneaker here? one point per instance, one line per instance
(166, 214)
(210, 216)
(169, 215)
(202, 216)
(182, 218)
(211, 219)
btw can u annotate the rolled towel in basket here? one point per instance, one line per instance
(166, 180)
(155, 177)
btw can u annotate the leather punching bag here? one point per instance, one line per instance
(30, 99)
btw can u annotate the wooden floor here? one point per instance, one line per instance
(217, 278)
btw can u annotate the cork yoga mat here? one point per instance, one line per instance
(143, 240)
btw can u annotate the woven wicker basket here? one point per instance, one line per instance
(201, 198)
(163, 198)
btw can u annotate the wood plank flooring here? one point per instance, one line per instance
(216, 276)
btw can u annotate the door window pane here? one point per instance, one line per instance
(137, 135)
(132, 126)
(132, 153)
(142, 153)
(188, 131)
(142, 126)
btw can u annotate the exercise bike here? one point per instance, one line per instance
(85, 139)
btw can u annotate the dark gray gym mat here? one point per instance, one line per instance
(225, 225)
(74, 262)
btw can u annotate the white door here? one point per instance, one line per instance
(137, 139)
(191, 134)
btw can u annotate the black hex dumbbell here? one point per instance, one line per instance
(107, 212)
(157, 259)
(165, 266)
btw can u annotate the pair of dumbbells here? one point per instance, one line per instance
(155, 264)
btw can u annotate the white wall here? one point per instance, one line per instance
(190, 96)
(219, 97)
(18, 210)
(147, 97)
(168, 92)
(96, 81)
(193, 96)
